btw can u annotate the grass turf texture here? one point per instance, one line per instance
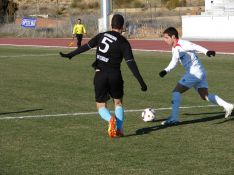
(38, 82)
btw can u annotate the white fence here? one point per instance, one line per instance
(208, 27)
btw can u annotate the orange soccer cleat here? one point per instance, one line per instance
(111, 128)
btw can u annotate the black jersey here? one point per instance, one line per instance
(112, 47)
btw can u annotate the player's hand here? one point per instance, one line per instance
(162, 73)
(210, 53)
(94, 65)
(144, 87)
(65, 55)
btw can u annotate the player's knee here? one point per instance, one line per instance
(118, 102)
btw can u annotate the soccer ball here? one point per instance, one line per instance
(148, 115)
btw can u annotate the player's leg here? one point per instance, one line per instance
(185, 83)
(79, 40)
(175, 104)
(203, 92)
(215, 99)
(105, 114)
(102, 96)
(119, 113)
(103, 111)
(116, 92)
(202, 88)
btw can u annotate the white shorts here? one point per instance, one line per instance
(190, 80)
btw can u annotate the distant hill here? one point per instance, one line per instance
(65, 7)
(115, 2)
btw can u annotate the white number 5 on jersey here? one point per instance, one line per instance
(105, 41)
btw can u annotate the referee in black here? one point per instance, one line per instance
(112, 47)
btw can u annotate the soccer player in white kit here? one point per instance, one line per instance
(195, 76)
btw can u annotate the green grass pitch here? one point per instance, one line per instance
(36, 81)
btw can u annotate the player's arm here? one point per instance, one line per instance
(84, 29)
(128, 56)
(203, 50)
(91, 44)
(174, 61)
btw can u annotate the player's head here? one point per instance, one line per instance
(78, 20)
(171, 31)
(117, 22)
(170, 36)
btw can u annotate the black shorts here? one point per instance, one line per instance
(108, 84)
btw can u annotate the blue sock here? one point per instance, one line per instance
(119, 113)
(217, 100)
(104, 113)
(175, 106)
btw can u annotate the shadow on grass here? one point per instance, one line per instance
(147, 130)
(227, 120)
(23, 111)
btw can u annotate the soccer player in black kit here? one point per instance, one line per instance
(112, 47)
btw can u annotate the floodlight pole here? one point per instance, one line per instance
(106, 8)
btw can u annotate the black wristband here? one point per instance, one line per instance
(210, 53)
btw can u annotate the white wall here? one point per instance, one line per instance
(209, 4)
(208, 27)
(219, 7)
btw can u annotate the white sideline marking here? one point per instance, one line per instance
(92, 113)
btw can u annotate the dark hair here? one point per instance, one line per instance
(171, 31)
(117, 21)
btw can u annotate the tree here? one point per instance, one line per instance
(8, 9)
(171, 4)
